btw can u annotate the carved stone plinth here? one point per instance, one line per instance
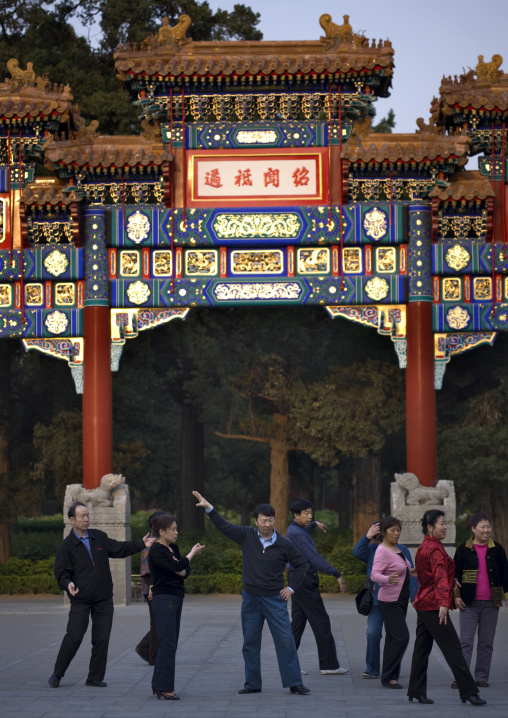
(411, 514)
(111, 514)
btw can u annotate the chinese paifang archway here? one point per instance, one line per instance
(256, 181)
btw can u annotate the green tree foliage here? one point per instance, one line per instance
(385, 124)
(473, 434)
(42, 33)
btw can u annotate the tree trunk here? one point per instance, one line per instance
(367, 480)
(6, 517)
(344, 511)
(192, 445)
(497, 509)
(279, 483)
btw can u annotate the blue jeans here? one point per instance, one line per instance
(374, 635)
(255, 609)
(167, 610)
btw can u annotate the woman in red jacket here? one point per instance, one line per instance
(436, 578)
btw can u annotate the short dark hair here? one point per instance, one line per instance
(265, 509)
(430, 519)
(475, 519)
(388, 522)
(161, 523)
(301, 505)
(72, 509)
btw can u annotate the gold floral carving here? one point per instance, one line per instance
(385, 260)
(138, 227)
(261, 290)
(138, 292)
(266, 262)
(201, 262)
(457, 318)
(482, 288)
(129, 263)
(65, 294)
(313, 261)
(457, 257)
(352, 260)
(34, 295)
(5, 295)
(56, 322)
(377, 288)
(162, 263)
(251, 137)
(375, 224)
(56, 262)
(284, 224)
(452, 290)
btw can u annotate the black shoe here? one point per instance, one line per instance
(454, 685)
(54, 680)
(301, 690)
(475, 700)
(420, 699)
(242, 691)
(387, 684)
(95, 684)
(482, 684)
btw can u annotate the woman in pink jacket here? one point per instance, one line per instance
(391, 570)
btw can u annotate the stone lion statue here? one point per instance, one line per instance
(100, 497)
(418, 495)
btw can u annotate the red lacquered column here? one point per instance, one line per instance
(97, 384)
(421, 443)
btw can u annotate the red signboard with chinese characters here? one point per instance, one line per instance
(253, 178)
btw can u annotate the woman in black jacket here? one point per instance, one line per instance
(481, 568)
(168, 570)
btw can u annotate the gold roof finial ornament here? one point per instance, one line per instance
(19, 77)
(489, 71)
(175, 36)
(340, 34)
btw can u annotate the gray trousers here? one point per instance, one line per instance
(481, 616)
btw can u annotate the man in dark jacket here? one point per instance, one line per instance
(265, 555)
(82, 569)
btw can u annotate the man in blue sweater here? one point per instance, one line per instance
(307, 604)
(265, 554)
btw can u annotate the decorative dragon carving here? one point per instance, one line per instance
(489, 71)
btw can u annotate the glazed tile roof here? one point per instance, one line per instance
(95, 150)
(48, 191)
(339, 50)
(406, 147)
(468, 185)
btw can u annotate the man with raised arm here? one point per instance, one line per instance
(307, 604)
(265, 555)
(82, 569)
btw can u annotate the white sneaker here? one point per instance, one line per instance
(304, 673)
(334, 672)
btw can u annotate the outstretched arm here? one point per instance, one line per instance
(202, 501)
(232, 531)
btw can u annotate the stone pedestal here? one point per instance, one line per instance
(113, 519)
(411, 515)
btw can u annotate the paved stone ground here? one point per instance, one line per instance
(210, 669)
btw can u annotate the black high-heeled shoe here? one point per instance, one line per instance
(420, 699)
(475, 700)
(154, 690)
(167, 696)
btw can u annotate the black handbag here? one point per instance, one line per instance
(364, 600)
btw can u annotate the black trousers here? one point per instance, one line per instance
(307, 605)
(101, 613)
(429, 630)
(149, 644)
(396, 637)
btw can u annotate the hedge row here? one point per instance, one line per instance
(212, 583)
